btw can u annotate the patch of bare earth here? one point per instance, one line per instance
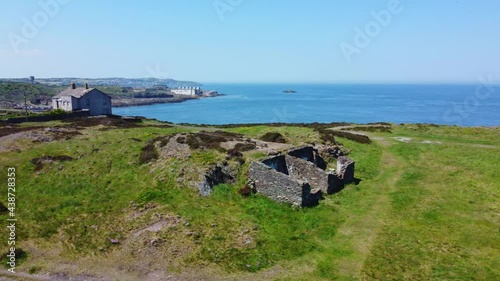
(383, 141)
(262, 146)
(403, 139)
(175, 149)
(163, 222)
(10, 141)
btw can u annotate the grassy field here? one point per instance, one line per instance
(425, 209)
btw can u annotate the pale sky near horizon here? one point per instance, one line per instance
(252, 40)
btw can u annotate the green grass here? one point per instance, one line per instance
(443, 212)
(420, 212)
(464, 135)
(225, 215)
(15, 91)
(294, 135)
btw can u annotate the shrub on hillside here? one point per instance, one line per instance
(3, 209)
(244, 146)
(354, 137)
(40, 162)
(273, 137)
(246, 191)
(148, 154)
(209, 140)
(57, 112)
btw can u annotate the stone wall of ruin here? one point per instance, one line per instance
(281, 187)
(310, 154)
(299, 177)
(308, 172)
(345, 169)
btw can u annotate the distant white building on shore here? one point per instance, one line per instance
(187, 91)
(73, 99)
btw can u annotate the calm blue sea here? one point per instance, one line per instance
(453, 104)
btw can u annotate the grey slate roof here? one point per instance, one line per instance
(77, 93)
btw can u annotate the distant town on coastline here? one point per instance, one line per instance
(19, 96)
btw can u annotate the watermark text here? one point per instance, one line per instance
(32, 25)
(11, 220)
(372, 29)
(222, 7)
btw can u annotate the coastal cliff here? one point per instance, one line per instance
(11, 105)
(122, 102)
(123, 91)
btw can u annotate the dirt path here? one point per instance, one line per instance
(387, 141)
(6, 275)
(359, 231)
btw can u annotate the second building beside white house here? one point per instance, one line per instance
(187, 91)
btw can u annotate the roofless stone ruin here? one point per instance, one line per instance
(300, 177)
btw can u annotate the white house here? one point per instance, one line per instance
(187, 91)
(72, 99)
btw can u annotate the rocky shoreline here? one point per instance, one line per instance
(149, 101)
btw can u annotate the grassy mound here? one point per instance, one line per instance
(273, 137)
(411, 216)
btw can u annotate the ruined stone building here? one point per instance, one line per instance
(299, 177)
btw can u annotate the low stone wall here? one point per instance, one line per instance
(335, 183)
(46, 118)
(282, 188)
(216, 175)
(308, 172)
(298, 177)
(277, 163)
(345, 169)
(310, 154)
(328, 182)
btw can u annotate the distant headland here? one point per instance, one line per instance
(36, 94)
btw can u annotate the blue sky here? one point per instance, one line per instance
(252, 40)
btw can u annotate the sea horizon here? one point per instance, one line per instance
(245, 103)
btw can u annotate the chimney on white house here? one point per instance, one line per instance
(73, 85)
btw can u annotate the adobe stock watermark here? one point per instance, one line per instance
(157, 72)
(222, 7)
(31, 26)
(372, 29)
(11, 219)
(462, 111)
(282, 115)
